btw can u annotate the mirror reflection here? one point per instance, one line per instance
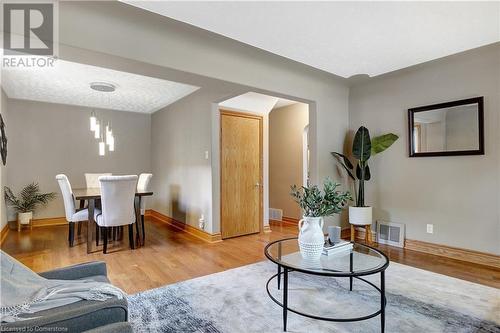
(453, 128)
(447, 129)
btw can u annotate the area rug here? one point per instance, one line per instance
(236, 301)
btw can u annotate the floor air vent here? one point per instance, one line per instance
(391, 233)
(275, 214)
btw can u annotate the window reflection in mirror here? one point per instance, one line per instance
(453, 128)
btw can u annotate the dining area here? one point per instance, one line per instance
(108, 207)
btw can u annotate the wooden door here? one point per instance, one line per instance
(241, 174)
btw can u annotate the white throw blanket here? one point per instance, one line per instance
(22, 291)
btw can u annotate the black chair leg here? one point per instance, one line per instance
(97, 236)
(71, 234)
(143, 231)
(105, 236)
(131, 235)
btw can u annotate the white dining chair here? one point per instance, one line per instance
(72, 214)
(117, 201)
(143, 186)
(92, 179)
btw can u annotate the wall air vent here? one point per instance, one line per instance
(391, 233)
(276, 214)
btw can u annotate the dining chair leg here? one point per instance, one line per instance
(79, 228)
(97, 236)
(131, 235)
(105, 236)
(143, 230)
(71, 234)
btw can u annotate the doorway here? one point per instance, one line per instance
(241, 149)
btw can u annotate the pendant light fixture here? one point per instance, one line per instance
(102, 132)
(111, 143)
(97, 130)
(102, 146)
(93, 121)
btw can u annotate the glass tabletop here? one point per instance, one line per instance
(360, 260)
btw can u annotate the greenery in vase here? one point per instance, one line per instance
(363, 147)
(28, 199)
(316, 203)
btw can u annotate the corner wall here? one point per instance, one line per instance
(286, 130)
(163, 42)
(460, 195)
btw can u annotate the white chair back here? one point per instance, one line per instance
(67, 194)
(143, 186)
(117, 200)
(92, 179)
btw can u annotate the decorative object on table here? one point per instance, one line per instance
(334, 234)
(315, 205)
(3, 141)
(26, 202)
(340, 247)
(363, 147)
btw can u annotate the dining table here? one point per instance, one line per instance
(92, 195)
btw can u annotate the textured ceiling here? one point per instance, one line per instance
(255, 103)
(346, 38)
(68, 83)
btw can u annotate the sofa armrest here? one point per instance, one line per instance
(123, 327)
(75, 317)
(75, 272)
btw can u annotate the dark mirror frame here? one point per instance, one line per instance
(480, 108)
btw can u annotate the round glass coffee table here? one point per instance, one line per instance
(360, 261)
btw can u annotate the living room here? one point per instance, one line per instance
(424, 252)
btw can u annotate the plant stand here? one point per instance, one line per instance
(368, 233)
(20, 225)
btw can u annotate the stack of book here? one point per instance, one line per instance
(340, 247)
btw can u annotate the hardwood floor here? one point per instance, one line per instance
(171, 256)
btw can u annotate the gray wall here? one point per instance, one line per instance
(157, 40)
(46, 139)
(459, 195)
(286, 130)
(181, 134)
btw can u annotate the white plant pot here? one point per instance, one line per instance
(24, 218)
(311, 238)
(360, 215)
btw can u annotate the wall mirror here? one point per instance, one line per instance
(447, 129)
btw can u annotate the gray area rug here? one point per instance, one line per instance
(236, 301)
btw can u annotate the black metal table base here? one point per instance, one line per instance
(283, 271)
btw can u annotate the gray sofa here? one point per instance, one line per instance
(80, 316)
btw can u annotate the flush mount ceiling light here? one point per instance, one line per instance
(102, 86)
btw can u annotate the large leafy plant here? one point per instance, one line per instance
(316, 203)
(363, 147)
(28, 199)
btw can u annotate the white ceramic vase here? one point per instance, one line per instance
(311, 238)
(360, 215)
(24, 218)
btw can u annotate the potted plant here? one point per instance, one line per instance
(27, 200)
(315, 205)
(363, 147)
